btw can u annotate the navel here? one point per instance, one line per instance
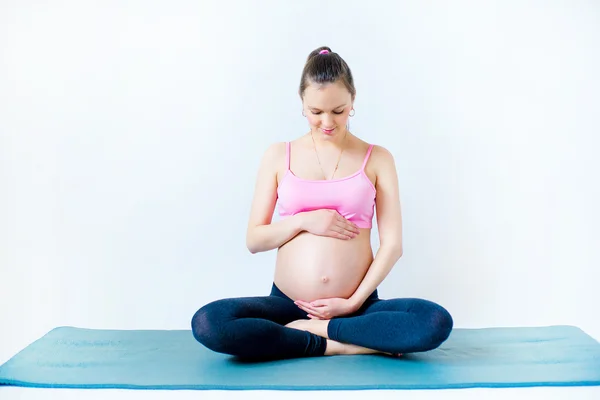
(324, 279)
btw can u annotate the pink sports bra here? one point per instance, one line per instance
(352, 196)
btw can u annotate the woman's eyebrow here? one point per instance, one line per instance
(315, 108)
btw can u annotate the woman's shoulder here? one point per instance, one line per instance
(378, 152)
(382, 163)
(275, 148)
(273, 157)
(380, 160)
(381, 152)
(276, 151)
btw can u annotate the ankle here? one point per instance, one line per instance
(334, 348)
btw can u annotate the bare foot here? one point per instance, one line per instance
(354, 349)
(316, 326)
(334, 347)
(301, 324)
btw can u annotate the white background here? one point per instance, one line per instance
(131, 132)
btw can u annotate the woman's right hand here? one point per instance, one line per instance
(330, 223)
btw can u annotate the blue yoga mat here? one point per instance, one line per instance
(68, 357)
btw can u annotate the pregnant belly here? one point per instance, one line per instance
(311, 267)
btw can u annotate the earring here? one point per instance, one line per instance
(352, 115)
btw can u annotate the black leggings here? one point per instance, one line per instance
(253, 327)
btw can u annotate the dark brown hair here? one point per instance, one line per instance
(326, 68)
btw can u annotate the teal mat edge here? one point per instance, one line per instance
(301, 388)
(24, 384)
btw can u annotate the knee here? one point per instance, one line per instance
(206, 325)
(202, 325)
(440, 324)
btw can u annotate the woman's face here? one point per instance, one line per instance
(327, 107)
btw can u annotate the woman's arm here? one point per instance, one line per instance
(389, 222)
(261, 234)
(273, 235)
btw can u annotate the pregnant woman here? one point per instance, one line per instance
(324, 298)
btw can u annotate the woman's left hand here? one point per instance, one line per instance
(326, 308)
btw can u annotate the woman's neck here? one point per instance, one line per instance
(337, 141)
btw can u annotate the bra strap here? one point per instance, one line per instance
(287, 154)
(367, 157)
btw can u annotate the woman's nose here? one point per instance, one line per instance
(327, 121)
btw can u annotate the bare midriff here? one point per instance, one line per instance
(311, 267)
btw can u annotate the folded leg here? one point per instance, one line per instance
(403, 325)
(254, 328)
